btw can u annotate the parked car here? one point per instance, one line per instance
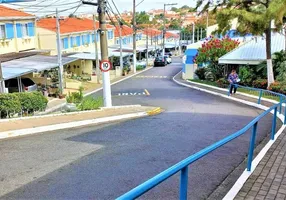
(160, 61)
(168, 58)
(168, 53)
(27, 85)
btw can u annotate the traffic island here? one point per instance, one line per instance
(40, 124)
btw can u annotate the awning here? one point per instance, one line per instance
(9, 73)
(91, 55)
(253, 52)
(37, 63)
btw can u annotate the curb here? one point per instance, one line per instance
(90, 93)
(68, 113)
(246, 174)
(55, 127)
(155, 111)
(42, 129)
(241, 93)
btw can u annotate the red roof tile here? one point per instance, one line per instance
(10, 12)
(152, 32)
(126, 30)
(69, 25)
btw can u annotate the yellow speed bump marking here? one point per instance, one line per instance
(155, 111)
(146, 92)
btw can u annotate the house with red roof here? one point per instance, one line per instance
(127, 35)
(78, 38)
(77, 35)
(17, 31)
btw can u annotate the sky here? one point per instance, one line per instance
(44, 7)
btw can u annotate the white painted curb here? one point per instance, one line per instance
(87, 94)
(241, 93)
(67, 114)
(245, 175)
(42, 129)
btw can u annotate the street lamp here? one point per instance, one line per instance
(193, 32)
(164, 23)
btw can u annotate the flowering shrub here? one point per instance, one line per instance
(213, 49)
(260, 83)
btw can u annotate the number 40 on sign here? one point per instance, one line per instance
(105, 66)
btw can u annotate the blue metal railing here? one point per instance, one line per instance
(183, 165)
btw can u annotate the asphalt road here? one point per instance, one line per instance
(103, 162)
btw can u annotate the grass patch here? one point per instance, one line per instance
(242, 90)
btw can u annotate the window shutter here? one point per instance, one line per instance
(9, 31)
(78, 40)
(82, 39)
(92, 38)
(97, 37)
(71, 42)
(19, 30)
(88, 38)
(31, 29)
(66, 43)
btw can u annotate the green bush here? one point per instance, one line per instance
(209, 76)
(75, 97)
(260, 83)
(90, 103)
(9, 103)
(32, 101)
(200, 72)
(222, 83)
(140, 67)
(246, 75)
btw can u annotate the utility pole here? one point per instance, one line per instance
(134, 37)
(193, 32)
(147, 48)
(164, 24)
(101, 10)
(198, 34)
(2, 83)
(120, 44)
(104, 52)
(207, 23)
(96, 51)
(59, 48)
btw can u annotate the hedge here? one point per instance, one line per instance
(9, 103)
(25, 102)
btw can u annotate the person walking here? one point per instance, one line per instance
(233, 80)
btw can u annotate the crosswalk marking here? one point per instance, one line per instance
(151, 76)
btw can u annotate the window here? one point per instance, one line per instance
(110, 35)
(73, 42)
(2, 31)
(25, 29)
(65, 43)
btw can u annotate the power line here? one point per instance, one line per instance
(44, 6)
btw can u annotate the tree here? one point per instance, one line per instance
(174, 9)
(185, 7)
(212, 50)
(254, 16)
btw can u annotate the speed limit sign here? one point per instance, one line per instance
(105, 65)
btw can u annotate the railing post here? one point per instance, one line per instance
(274, 124)
(251, 146)
(184, 184)
(280, 105)
(260, 95)
(285, 115)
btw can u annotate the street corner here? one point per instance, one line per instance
(155, 111)
(144, 92)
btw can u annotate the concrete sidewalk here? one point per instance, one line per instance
(31, 125)
(268, 180)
